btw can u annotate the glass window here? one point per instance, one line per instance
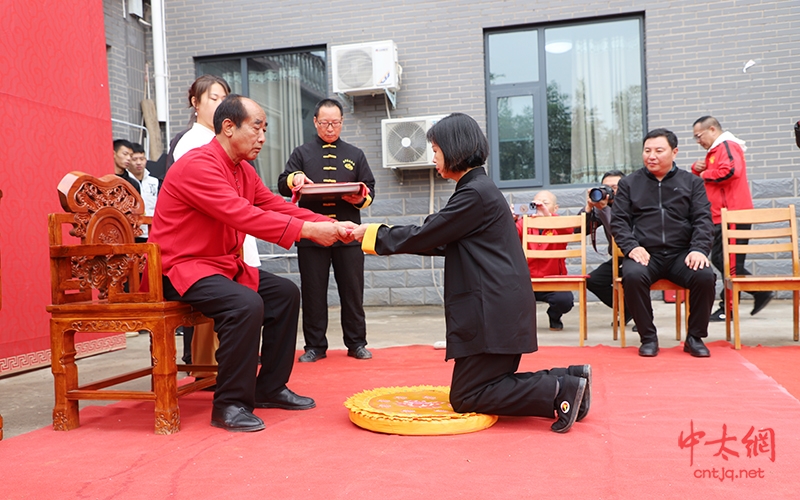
(288, 87)
(506, 50)
(590, 111)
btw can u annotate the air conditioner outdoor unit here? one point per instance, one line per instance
(365, 68)
(404, 143)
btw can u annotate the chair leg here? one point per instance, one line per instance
(621, 317)
(615, 313)
(65, 376)
(735, 311)
(686, 311)
(165, 385)
(582, 331)
(678, 304)
(796, 300)
(726, 298)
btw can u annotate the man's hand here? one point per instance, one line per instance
(324, 233)
(696, 260)
(345, 230)
(359, 231)
(355, 199)
(541, 210)
(700, 166)
(640, 255)
(300, 179)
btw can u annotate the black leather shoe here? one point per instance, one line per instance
(361, 352)
(648, 349)
(761, 300)
(568, 401)
(696, 347)
(236, 419)
(287, 400)
(311, 356)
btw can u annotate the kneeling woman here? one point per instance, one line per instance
(490, 309)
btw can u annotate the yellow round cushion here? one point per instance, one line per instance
(421, 410)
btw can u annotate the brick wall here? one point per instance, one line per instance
(694, 56)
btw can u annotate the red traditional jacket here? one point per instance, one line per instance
(206, 206)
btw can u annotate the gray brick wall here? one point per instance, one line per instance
(694, 54)
(129, 48)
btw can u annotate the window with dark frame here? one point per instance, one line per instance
(287, 85)
(577, 88)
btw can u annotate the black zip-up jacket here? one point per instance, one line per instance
(666, 217)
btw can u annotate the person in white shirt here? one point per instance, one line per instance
(146, 184)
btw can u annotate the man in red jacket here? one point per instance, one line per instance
(725, 177)
(560, 302)
(210, 199)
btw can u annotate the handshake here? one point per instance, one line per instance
(325, 233)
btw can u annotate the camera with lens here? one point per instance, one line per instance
(600, 193)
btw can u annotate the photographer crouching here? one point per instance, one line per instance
(545, 204)
(598, 213)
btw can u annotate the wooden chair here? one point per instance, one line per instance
(681, 298)
(96, 287)
(780, 236)
(559, 283)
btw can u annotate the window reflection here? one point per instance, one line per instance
(516, 137)
(513, 57)
(594, 100)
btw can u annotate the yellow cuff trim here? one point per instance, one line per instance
(367, 202)
(370, 238)
(290, 178)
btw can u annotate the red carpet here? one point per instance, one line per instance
(628, 447)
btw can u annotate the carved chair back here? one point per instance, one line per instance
(105, 214)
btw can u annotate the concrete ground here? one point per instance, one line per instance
(26, 399)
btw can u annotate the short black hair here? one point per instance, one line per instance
(328, 103)
(672, 139)
(708, 121)
(137, 148)
(461, 141)
(231, 108)
(612, 173)
(122, 143)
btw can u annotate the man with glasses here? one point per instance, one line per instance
(328, 159)
(724, 174)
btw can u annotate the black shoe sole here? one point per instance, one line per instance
(586, 403)
(281, 406)
(695, 353)
(221, 425)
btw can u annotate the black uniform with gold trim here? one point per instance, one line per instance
(322, 162)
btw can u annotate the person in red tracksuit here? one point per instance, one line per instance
(560, 302)
(725, 177)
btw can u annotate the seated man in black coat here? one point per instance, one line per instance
(661, 220)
